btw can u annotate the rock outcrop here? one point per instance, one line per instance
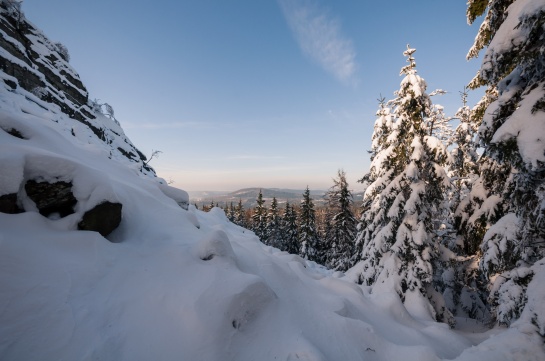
(38, 69)
(103, 218)
(52, 198)
(39, 65)
(8, 204)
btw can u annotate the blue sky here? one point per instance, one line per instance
(257, 93)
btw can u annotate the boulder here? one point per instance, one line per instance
(103, 218)
(8, 204)
(52, 198)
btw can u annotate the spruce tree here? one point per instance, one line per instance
(464, 173)
(327, 245)
(259, 219)
(512, 169)
(231, 212)
(407, 186)
(290, 234)
(240, 214)
(273, 225)
(461, 281)
(342, 232)
(308, 236)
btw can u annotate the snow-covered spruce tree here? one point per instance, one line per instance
(230, 212)
(464, 171)
(259, 219)
(290, 234)
(460, 279)
(407, 186)
(240, 214)
(342, 232)
(373, 217)
(512, 134)
(273, 225)
(325, 252)
(308, 236)
(212, 205)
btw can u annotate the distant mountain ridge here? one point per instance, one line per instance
(248, 196)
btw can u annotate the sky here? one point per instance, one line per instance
(246, 93)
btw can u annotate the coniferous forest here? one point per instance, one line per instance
(454, 208)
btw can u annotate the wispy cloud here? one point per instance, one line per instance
(319, 36)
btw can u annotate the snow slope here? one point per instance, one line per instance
(173, 284)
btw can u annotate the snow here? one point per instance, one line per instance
(180, 196)
(506, 230)
(12, 171)
(534, 313)
(173, 283)
(527, 128)
(509, 34)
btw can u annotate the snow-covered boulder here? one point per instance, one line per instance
(103, 218)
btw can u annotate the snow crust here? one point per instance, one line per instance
(172, 283)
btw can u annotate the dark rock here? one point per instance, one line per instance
(8, 204)
(129, 155)
(52, 197)
(11, 84)
(15, 133)
(103, 218)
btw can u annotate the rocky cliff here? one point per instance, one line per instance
(34, 67)
(54, 141)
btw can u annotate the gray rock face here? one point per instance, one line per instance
(8, 204)
(51, 197)
(31, 61)
(103, 218)
(49, 71)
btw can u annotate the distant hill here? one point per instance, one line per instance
(249, 196)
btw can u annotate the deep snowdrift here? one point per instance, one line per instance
(171, 284)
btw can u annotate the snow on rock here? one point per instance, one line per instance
(11, 174)
(180, 196)
(215, 244)
(192, 217)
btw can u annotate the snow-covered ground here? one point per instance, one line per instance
(177, 284)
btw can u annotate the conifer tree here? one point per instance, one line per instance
(512, 169)
(273, 225)
(407, 186)
(308, 236)
(259, 219)
(290, 234)
(342, 232)
(240, 214)
(464, 172)
(231, 212)
(325, 252)
(373, 218)
(460, 279)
